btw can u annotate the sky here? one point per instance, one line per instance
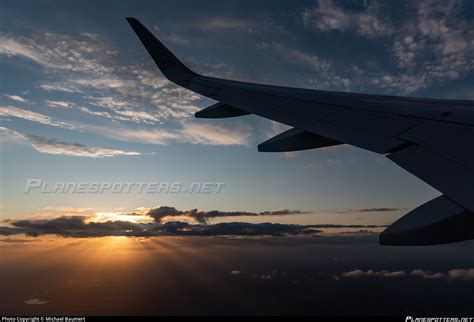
(81, 102)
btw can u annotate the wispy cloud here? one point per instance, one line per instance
(90, 64)
(460, 273)
(371, 273)
(226, 23)
(163, 214)
(35, 301)
(54, 52)
(327, 77)
(57, 147)
(55, 87)
(184, 132)
(11, 111)
(367, 22)
(59, 104)
(367, 210)
(16, 98)
(426, 274)
(54, 146)
(453, 274)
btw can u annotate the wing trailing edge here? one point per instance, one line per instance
(220, 110)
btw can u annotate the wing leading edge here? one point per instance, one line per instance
(430, 138)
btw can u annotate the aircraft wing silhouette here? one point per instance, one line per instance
(430, 138)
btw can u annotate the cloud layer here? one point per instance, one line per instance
(165, 221)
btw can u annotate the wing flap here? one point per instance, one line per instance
(453, 141)
(371, 123)
(378, 144)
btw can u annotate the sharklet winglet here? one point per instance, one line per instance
(169, 65)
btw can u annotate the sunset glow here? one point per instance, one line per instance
(119, 197)
(111, 216)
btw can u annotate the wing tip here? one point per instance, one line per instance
(166, 61)
(132, 20)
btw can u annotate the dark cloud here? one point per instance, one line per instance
(73, 226)
(238, 228)
(161, 213)
(78, 226)
(377, 209)
(381, 209)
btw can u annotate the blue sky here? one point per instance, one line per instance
(81, 101)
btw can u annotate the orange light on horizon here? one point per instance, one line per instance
(101, 217)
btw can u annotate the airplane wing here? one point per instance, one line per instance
(430, 138)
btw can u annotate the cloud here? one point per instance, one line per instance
(381, 209)
(367, 22)
(35, 302)
(377, 209)
(327, 77)
(67, 88)
(435, 46)
(467, 274)
(184, 132)
(213, 134)
(57, 147)
(165, 213)
(11, 137)
(55, 52)
(453, 274)
(226, 23)
(135, 93)
(54, 146)
(89, 35)
(11, 111)
(426, 274)
(357, 273)
(59, 104)
(431, 45)
(95, 113)
(16, 98)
